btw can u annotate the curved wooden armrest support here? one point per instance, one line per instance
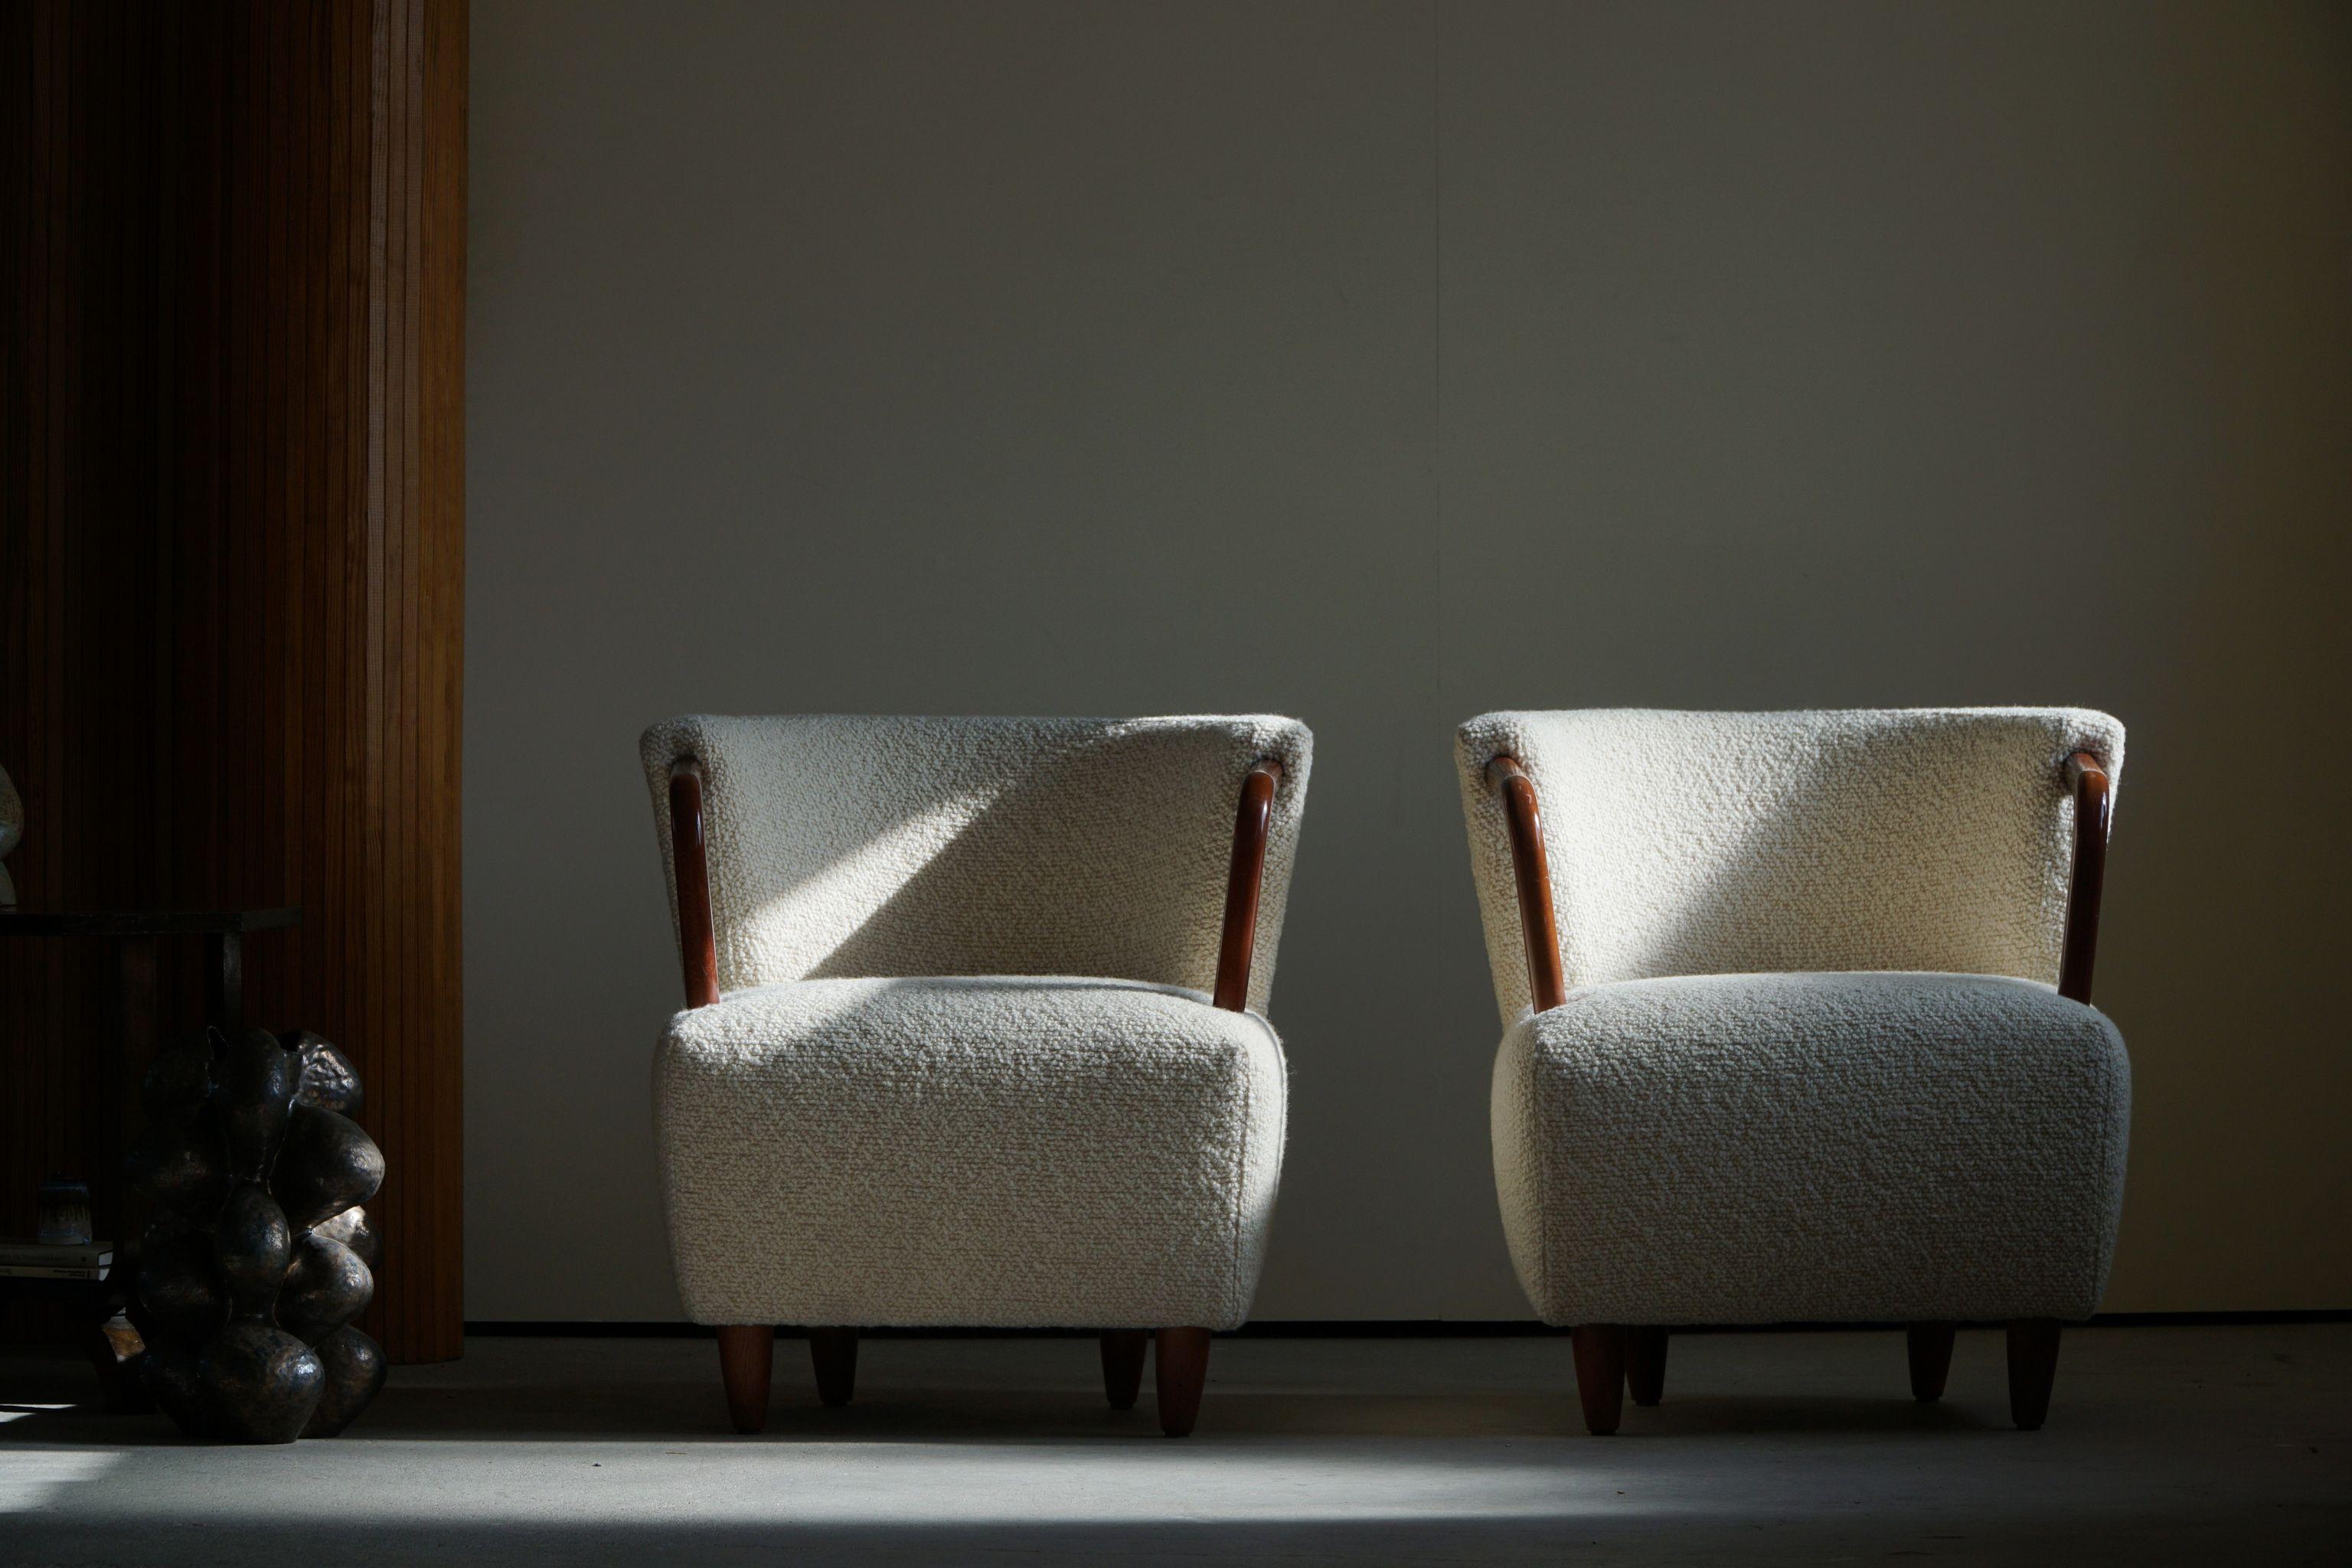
(2087, 776)
(1538, 932)
(690, 872)
(1238, 944)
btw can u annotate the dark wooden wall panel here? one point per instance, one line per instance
(234, 550)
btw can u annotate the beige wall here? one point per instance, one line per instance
(1382, 366)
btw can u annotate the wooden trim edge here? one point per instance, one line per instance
(1539, 932)
(691, 874)
(2094, 793)
(1237, 944)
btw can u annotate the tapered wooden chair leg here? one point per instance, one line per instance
(1601, 1375)
(746, 1358)
(834, 1352)
(1930, 1347)
(1646, 1365)
(1122, 1359)
(1180, 1366)
(2032, 1367)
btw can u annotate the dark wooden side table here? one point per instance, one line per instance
(135, 934)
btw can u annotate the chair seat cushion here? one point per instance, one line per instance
(1009, 1151)
(1824, 1147)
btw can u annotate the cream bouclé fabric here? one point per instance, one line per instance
(1811, 1065)
(1932, 839)
(1779, 1148)
(1005, 1151)
(964, 1070)
(845, 846)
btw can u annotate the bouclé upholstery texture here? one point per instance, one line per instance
(1811, 1064)
(844, 846)
(1932, 839)
(964, 1070)
(1003, 1152)
(1781, 1148)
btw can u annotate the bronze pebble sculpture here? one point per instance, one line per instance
(258, 1256)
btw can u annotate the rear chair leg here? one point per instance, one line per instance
(834, 1352)
(1930, 1346)
(1122, 1363)
(2032, 1367)
(746, 1357)
(1646, 1365)
(1180, 1366)
(1601, 1375)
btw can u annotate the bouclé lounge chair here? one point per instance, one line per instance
(1798, 1025)
(974, 1032)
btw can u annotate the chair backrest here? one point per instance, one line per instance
(843, 846)
(1933, 838)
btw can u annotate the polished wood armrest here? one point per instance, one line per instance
(1237, 946)
(690, 872)
(1538, 932)
(2087, 776)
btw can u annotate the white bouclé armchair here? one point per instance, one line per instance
(1798, 1025)
(975, 1031)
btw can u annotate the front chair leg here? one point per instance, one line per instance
(834, 1352)
(746, 1357)
(1645, 1364)
(1601, 1375)
(1180, 1367)
(1930, 1347)
(1122, 1363)
(2032, 1367)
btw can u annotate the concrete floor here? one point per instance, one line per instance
(2164, 1444)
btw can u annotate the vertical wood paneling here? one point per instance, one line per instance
(234, 550)
(79, 381)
